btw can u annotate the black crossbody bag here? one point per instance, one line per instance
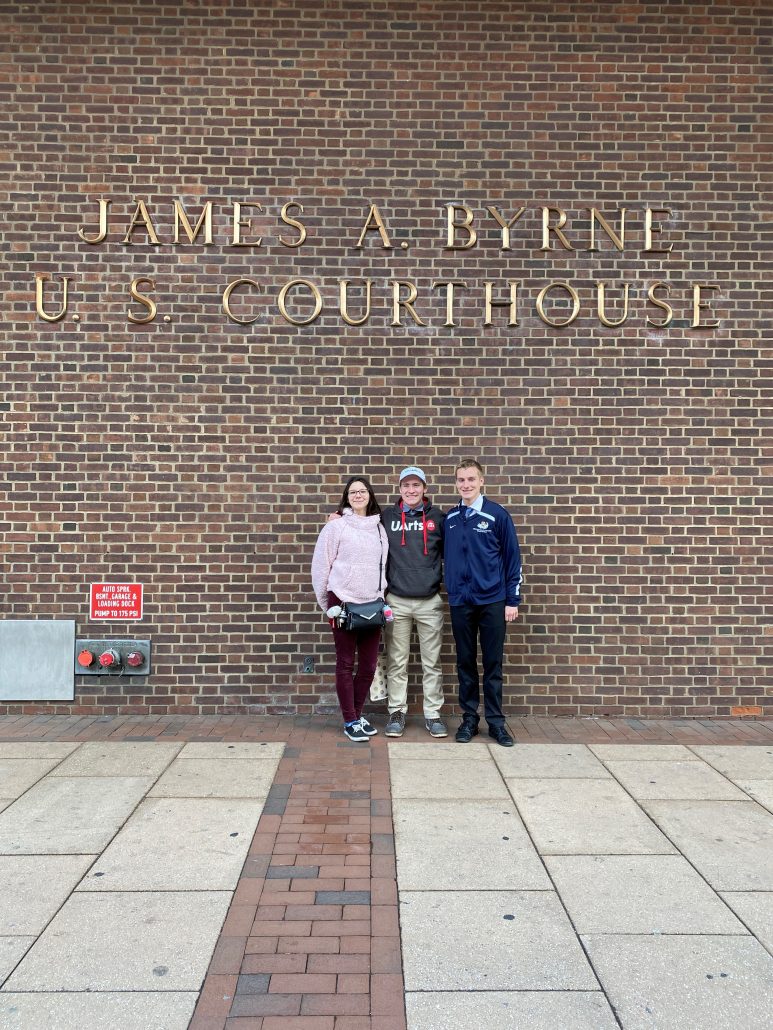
(370, 615)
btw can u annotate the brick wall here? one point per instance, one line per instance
(199, 456)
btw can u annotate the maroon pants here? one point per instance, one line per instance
(352, 687)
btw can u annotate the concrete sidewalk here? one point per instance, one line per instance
(249, 874)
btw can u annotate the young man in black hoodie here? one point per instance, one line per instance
(414, 569)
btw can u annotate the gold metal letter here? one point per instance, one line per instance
(575, 304)
(506, 226)
(449, 285)
(453, 225)
(547, 228)
(407, 303)
(227, 300)
(205, 219)
(292, 284)
(240, 223)
(343, 302)
(103, 206)
(512, 303)
(601, 287)
(649, 229)
(295, 223)
(141, 216)
(378, 225)
(596, 216)
(145, 301)
(660, 304)
(699, 305)
(40, 278)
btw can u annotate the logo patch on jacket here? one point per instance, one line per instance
(482, 527)
(430, 525)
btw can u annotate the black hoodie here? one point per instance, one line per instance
(415, 562)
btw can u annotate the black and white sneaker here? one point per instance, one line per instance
(355, 732)
(367, 727)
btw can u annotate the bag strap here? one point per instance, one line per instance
(381, 558)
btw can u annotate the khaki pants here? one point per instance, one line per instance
(427, 614)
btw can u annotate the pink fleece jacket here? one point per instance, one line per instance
(346, 559)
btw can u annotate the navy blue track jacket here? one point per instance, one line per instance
(482, 557)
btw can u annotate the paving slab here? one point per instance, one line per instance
(643, 753)
(748, 762)
(5, 802)
(17, 775)
(37, 749)
(638, 894)
(446, 780)
(70, 815)
(509, 1010)
(755, 908)
(270, 751)
(585, 817)
(674, 781)
(464, 845)
(12, 950)
(760, 790)
(119, 758)
(85, 1011)
(446, 750)
(125, 942)
(689, 983)
(490, 940)
(34, 887)
(178, 844)
(728, 842)
(216, 778)
(545, 761)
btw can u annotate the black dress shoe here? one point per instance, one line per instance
(467, 730)
(501, 736)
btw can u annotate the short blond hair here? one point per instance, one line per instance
(469, 463)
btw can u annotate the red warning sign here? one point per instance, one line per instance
(115, 601)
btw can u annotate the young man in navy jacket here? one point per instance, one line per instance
(483, 580)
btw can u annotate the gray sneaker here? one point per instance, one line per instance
(436, 727)
(396, 725)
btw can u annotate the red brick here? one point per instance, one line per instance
(353, 983)
(302, 983)
(354, 945)
(298, 1023)
(384, 989)
(385, 955)
(277, 964)
(384, 921)
(335, 1004)
(214, 1002)
(227, 956)
(338, 964)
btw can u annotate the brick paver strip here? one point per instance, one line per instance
(311, 939)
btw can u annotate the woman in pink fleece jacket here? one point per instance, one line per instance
(349, 565)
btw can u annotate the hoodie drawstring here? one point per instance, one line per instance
(423, 526)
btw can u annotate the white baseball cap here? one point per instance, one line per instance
(413, 470)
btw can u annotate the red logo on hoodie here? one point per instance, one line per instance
(430, 525)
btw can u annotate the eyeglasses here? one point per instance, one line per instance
(358, 493)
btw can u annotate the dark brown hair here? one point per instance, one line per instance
(374, 508)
